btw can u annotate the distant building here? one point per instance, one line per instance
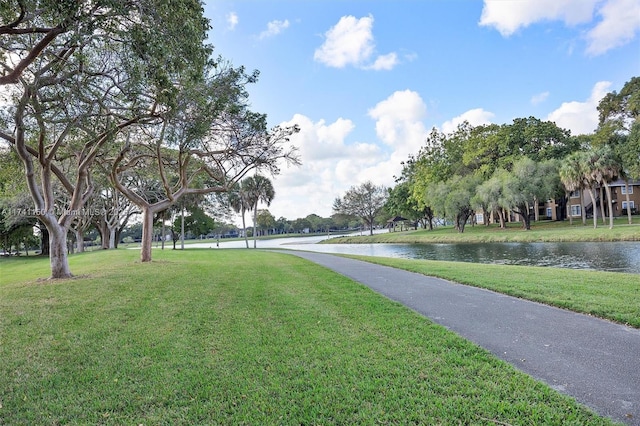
(580, 199)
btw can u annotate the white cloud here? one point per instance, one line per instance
(329, 167)
(351, 42)
(385, 62)
(581, 117)
(509, 16)
(539, 98)
(475, 117)
(274, 28)
(618, 25)
(400, 125)
(399, 120)
(232, 20)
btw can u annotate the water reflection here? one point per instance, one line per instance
(602, 256)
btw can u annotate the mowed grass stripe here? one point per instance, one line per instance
(241, 337)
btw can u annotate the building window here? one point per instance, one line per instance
(623, 190)
(575, 194)
(631, 203)
(549, 212)
(576, 210)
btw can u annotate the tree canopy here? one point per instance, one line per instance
(126, 86)
(364, 201)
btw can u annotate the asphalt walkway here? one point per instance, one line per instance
(597, 362)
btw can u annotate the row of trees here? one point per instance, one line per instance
(110, 101)
(509, 169)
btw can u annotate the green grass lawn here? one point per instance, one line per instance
(544, 231)
(240, 337)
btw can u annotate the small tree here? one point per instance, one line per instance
(489, 196)
(364, 201)
(197, 222)
(258, 189)
(266, 220)
(205, 144)
(527, 182)
(239, 201)
(619, 127)
(571, 177)
(603, 168)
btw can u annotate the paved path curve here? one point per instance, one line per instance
(596, 362)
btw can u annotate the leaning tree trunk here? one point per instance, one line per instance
(626, 182)
(568, 207)
(501, 219)
(595, 209)
(526, 222)
(607, 188)
(604, 217)
(523, 212)
(255, 225)
(244, 227)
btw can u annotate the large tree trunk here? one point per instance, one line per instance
(119, 230)
(147, 234)
(112, 237)
(103, 230)
(79, 241)
(44, 240)
(58, 251)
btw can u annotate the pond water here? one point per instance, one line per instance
(602, 256)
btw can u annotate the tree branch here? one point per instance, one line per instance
(14, 76)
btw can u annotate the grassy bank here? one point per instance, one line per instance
(240, 337)
(545, 231)
(610, 295)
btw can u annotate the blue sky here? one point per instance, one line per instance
(367, 80)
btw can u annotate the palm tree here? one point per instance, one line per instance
(258, 188)
(571, 178)
(606, 168)
(239, 201)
